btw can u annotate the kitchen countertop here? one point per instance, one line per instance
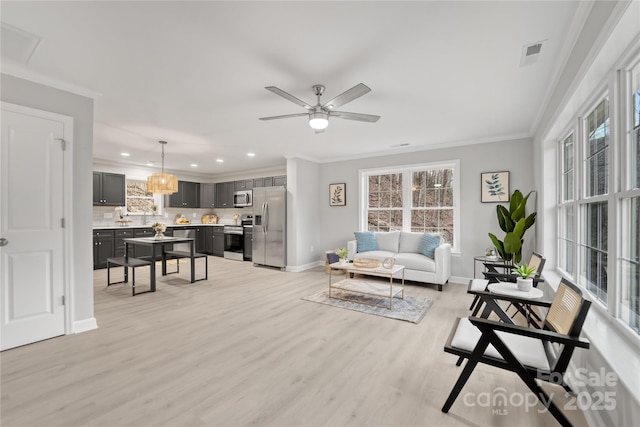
(116, 227)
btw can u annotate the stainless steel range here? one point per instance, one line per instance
(233, 242)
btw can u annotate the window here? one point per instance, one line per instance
(384, 208)
(566, 223)
(598, 206)
(139, 200)
(629, 202)
(421, 198)
(432, 202)
(594, 205)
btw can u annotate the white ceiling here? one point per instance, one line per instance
(193, 73)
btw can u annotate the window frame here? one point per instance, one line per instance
(156, 199)
(407, 171)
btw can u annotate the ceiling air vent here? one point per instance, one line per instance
(531, 53)
(18, 44)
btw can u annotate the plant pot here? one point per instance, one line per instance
(159, 235)
(525, 285)
(343, 261)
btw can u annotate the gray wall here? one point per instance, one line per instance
(29, 94)
(477, 219)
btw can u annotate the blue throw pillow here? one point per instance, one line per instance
(429, 244)
(366, 241)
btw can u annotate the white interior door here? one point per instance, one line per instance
(31, 211)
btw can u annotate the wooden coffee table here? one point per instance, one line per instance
(368, 287)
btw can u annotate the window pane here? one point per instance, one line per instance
(597, 157)
(594, 247)
(630, 263)
(634, 148)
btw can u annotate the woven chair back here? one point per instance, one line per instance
(564, 309)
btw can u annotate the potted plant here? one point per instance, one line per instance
(342, 254)
(525, 279)
(514, 222)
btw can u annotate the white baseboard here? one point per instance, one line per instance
(299, 268)
(85, 325)
(459, 280)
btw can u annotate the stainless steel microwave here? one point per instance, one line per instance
(243, 198)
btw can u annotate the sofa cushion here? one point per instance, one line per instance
(413, 261)
(388, 241)
(379, 255)
(366, 241)
(429, 244)
(410, 242)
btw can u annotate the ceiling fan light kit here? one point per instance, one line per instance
(162, 183)
(318, 120)
(320, 113)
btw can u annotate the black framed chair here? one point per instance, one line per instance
(533, 354)
(506, 274)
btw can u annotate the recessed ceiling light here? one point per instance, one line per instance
(150, 163)
(219, 160)
(125, 154)
(251, 154)
(193, 165)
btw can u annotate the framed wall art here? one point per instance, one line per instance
(494, 187)
(338, 194)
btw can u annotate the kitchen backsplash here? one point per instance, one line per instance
(225, 216)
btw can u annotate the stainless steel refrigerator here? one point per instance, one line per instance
(270, 226)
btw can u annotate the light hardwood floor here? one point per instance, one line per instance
(243, 348)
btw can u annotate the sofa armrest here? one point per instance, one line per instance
(352, 248)
(443, 262)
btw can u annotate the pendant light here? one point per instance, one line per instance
(162, 183)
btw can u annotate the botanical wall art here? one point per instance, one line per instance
(338, 194)
(495, 186)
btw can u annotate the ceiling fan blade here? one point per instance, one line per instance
(288, 96)
(355, 92)
(286, 116)
(355, 116)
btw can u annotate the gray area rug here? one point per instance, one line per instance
(409, 309)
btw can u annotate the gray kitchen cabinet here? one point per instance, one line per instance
(103, 247)
(279, 180)
(121, 234)
(270, 181)
(140, 251)
(267, 181)
(207, 195)
(201, 241)
(224, 194)
(187, 196)
(217, 241)
(109, 189)
(245, 184)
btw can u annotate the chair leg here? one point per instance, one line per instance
(483, 342)
(475, 301)
(542, 396)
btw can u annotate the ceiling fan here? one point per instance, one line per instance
(320, 113)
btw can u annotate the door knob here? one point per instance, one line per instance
(3, 242)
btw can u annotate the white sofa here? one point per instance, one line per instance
(403, 246)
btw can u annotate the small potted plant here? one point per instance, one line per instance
(525, 280)
(342, 254)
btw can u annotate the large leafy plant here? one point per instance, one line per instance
(514, 222)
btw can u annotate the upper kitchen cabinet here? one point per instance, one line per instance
(108, 189)
(187, 196)
(207, 195)
(245, 184)
(224, 194)
(279, 180)
(270, 181)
